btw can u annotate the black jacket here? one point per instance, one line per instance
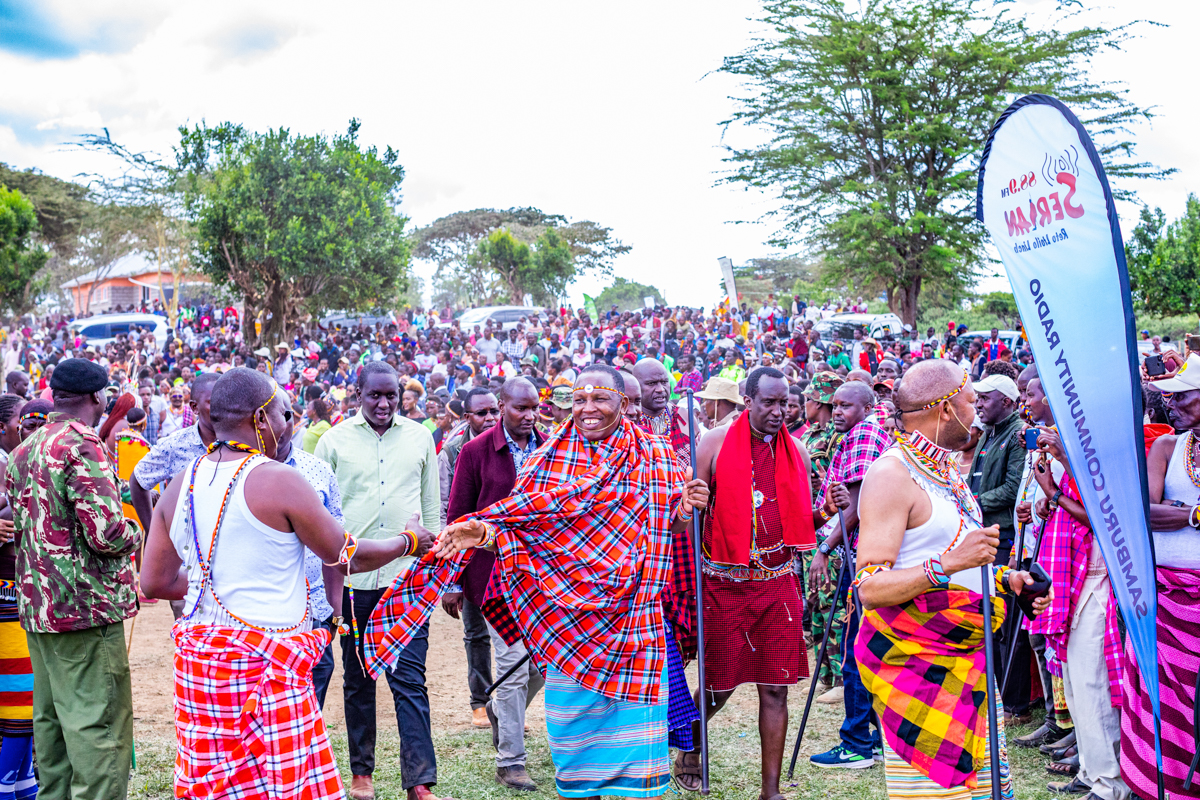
(996, 473)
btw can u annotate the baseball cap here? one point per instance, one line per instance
(1186, 380)
(998, 383)
(562, 397)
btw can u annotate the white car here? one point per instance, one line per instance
(105, 328)
(502, 317)
(1013, 340)
(841, 327)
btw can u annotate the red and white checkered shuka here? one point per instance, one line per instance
(584, 551)
(246, 716)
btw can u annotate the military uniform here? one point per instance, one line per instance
(76, 586)
(821, 440)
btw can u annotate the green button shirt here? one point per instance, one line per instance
(384, 480)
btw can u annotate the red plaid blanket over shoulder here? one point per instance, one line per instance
(584, 551)
(246, 717)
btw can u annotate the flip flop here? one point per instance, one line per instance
(1057, 749)
(1065, 767)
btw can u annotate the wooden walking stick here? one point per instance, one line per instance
(697, 544)
(812, 682)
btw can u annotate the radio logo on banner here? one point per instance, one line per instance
(1059, 172)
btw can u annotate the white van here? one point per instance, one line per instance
(104, 328)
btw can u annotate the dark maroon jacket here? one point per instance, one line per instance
(483, 474)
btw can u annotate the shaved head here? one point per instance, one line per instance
(859, 375)
(926, 381)
(655, 385)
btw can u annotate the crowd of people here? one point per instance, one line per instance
(535, 480)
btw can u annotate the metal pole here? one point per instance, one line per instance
(988, 673)
(812, 684)
(697, 544)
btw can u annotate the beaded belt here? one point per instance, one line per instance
(740, 574)
(8, 590)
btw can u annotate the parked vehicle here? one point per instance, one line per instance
(349, 319)
(502, 317)
(1013, 340)
(841, 327)
(104, 328)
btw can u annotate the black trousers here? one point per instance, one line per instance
(418, 764)
(478, 645)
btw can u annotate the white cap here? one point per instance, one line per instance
(997, 383)
(1186, 380)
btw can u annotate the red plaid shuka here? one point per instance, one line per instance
(584, 551)
(246, 717)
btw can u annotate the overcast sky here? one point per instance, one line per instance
(601, 111)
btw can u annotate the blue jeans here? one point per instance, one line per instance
(856, 732)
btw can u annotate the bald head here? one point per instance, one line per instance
(655, 384)
(926, 381)
(859, 375)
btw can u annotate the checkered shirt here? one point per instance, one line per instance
(584, 551)
(247, 721)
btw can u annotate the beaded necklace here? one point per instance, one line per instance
(916, 449)
(205, 563)
(1190, 459)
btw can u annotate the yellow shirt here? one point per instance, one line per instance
(384, 480)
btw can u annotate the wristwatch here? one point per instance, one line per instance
(824, 549)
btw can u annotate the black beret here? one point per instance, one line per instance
(78, 376)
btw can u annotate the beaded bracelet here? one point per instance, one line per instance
(869, 570)
(489, 535)
(412, 541)
(347, 552)
(679, 514)
(1001, 574)
(934, 571)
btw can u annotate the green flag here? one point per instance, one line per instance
(589, 305)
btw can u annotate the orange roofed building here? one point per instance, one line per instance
(131, 280)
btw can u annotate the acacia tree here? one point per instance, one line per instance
(296, 225)
(465, 276)
(1164, 261)
(876, 114)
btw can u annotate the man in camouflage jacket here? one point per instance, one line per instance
(821, 440)
(76, 587)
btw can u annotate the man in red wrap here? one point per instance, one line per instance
(762, 515)
(583, 550)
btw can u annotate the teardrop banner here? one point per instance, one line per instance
(1046, 202)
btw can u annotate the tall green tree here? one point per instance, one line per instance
(875, 114)
(463, 277)
(21, 257)
(1164, 261)
(627, 295)
(297, 225)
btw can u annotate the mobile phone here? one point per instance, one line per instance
(1155, 366)
(1039, 588)
(1193, 344)
(1031, 436)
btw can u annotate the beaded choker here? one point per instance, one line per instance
(933, 463)
(234, 445)
(1190, 458)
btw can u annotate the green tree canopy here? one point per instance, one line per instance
(295, 224)
(21, 258)
(875, 115)
(1164, 261)
(627, 295)
(464, 277)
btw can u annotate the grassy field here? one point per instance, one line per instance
(466, 766)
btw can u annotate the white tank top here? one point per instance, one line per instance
(937, 533)
(257, 571)
(1179, 549)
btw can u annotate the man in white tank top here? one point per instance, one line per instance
(1175, 520)
(229, 535)
(920, 550)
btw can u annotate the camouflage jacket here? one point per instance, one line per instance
(73, 562)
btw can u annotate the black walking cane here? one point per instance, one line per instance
(1037, 549)
(812, 683)
(699, 588)
(507, 674)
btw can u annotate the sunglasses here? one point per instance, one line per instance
(487, 412)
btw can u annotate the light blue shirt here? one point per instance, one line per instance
(320, 477)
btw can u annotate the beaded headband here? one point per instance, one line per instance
(937, 402)
(33, 415)
(589, 388)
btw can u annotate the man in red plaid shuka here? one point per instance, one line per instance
(246, 716)
(762, 515)
(584, 550)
